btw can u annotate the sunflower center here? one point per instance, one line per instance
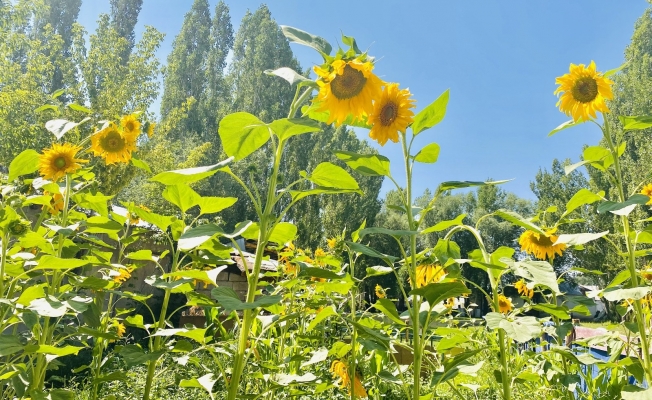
(585, 89)
(388, 113)
(503, 303)
(542, 240)
(113, 142)
(60, 162)
(349, 84)
(130, 126)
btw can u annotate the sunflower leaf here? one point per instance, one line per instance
(635, 123)
(302, 37)
(25, 163)
(432, 114)
(565, 125)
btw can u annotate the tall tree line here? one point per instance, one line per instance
(200, 89)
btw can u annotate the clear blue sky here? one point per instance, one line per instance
(499, 59)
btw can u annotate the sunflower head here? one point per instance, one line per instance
(583, 91)
(504, 304)
(341, 370)
(347, 89)
(150, 129)
(647, 273)
(18, 227)
(523, 290)
(541, 246)
(320, 253)
(290, 269)
(331, 243)
(130, 124)
(391, 114)
(114, 145)
(380, 292)
(429, 273)
(647, 190)
(123, 275)
(59, 160)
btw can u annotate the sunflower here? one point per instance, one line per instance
(18, 227)
(331, 243)
(540, 246)
(583, 92)
(391, 114)
(120, 329)
(59, 160)
(504, 304)
(347, 88)
(647, 273)
(290, 269)
(123, 275)
(429, 273)
(56, 204)
(114, 145)
(130, 124)
(523, 290)
(341, 370)
(150, 129)
(647, 190)
(320, 253)
(380, 292)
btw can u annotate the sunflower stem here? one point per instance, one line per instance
(631, 259)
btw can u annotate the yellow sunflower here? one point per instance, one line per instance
(347, 88)
(123, 275)
(150, 129)
(523, 290)
(429, 273)
(56, 203)
(59, 160)
(130, 124)
(391, 114)
(120, 329)
(647, 273)
(380, 292)
(320, 253)
(583, 92)
(540, 246)
(331, 243)
(114, 145)
(341, 370)
(504, 304)
(647, 190)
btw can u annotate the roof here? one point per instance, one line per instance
(249, 259)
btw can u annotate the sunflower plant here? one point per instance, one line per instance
(583, 95)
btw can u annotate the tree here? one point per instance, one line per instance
(124, 16)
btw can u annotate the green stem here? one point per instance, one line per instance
(354, 336)
(263, 236)
(151, 368)
(3, 258)
(631, 260)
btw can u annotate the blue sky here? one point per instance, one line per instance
(499, 58)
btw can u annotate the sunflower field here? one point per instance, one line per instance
(302, 323)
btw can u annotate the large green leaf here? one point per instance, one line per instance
(582, 197)
(205, 382)
(560, 312)
(59, 127)
(429, 154)
(181, 196)
(134, 355)
(330, 175)
(242, 134)
(298, 36)
(365, 164)
(197, 236)
(579, 238)
(633, 123)
(286, 128)
(322, 315)
(291, 76)
(455, 366)
(565, 125)
(539, 272)
(431, 115)
(25, 163)
(283, 232)
(211, 205)
(389, 309)
(617, 294)
(366, 250)
(160, 221)
(189, 175)
(235, 304)
(300, 194)
(56, 263)
(443, 225)
(517, 219)
(624, 207)
(444, 186)
(9, 345)
(435, 293)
